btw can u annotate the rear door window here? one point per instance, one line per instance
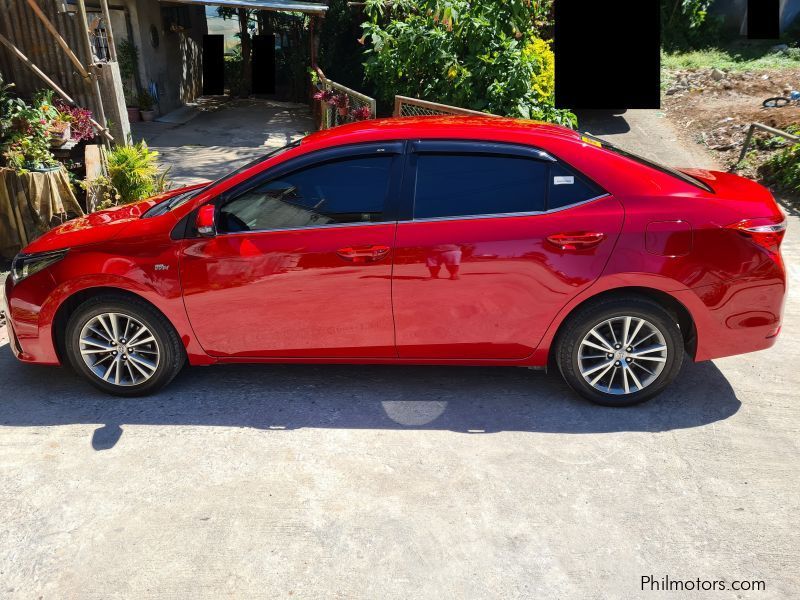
(454, 185)
(568, 187)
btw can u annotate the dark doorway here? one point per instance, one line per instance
(213, 65)
(264, 64)
(763, 19)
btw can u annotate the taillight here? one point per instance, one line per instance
(766, 232)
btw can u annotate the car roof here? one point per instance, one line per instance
(473, 127)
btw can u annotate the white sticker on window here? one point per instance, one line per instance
(564, 180)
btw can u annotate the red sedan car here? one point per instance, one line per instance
(462, 241)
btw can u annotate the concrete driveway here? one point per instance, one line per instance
(401, 482)
(205, 141)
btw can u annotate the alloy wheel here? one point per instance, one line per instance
(622, 355)
(119, 349)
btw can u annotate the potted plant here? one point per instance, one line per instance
(146, 106)
(25, 138)
(60, 130)
(80, 121)
(134, 114)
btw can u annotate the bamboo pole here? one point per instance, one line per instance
(101, 113)
(61, 41)
(18, 53)
(112, 48)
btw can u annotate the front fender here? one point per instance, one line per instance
(112, 272)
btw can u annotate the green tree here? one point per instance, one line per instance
(685, 23)
(487, 55)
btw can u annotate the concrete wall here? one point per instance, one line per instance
(735, 13)
(175, 65)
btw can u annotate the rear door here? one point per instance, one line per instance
(495, 239)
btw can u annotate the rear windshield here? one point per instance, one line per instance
(588, 137)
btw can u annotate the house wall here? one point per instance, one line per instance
(175, 65)
(735, 13)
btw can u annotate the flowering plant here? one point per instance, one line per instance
(362, 113)
(340, 101)
(324, 96)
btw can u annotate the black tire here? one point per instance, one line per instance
(778, 102)
(172, 355)
(586, 318)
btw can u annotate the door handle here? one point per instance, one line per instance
(576, 241)
(363, 254)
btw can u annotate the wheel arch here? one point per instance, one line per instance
(75, 300)
(682, 315)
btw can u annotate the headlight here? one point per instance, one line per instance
(25, 265)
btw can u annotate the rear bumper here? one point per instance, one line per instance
(736, 317)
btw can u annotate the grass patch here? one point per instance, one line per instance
(741, 56)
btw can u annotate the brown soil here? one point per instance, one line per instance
(718, 112)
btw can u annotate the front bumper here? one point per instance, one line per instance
(30, 336)
(12, 336)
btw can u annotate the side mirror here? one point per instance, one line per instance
(204, 222)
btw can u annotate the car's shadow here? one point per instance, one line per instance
(279, 397)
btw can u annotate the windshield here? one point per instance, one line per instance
(179, 199)
(595, 141)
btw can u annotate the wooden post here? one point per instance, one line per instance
(18, 53)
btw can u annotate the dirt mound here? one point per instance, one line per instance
(716, 108)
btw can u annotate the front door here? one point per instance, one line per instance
(301, 264)
(475, 275)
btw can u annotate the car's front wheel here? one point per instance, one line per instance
(123, 345)
(620, 352)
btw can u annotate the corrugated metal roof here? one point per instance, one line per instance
(20, 25)
(286, 5)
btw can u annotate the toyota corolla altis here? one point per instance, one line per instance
(457, 240)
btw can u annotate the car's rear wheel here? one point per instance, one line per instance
(620, 352)
(123, 346)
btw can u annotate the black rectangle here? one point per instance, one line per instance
(608, 54)
(763, 19)
(264, 64)
(213, 65)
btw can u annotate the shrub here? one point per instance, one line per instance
(485, 55)
(133, 173)
(783, 169)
